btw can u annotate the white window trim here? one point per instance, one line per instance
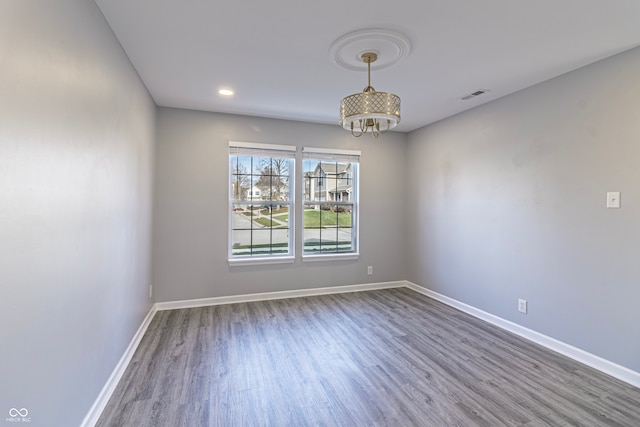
(336, 151)
(265, 147)
(330, 257)
(334, 155)
(275, 259)
(267, 150)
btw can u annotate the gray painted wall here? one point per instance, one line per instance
(76, 149)
(508, 202)
(191, 207)
(502, 202)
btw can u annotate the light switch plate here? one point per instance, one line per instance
(522, 306)
(613, 199)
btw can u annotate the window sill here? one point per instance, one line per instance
(330, 257)
(261, 261)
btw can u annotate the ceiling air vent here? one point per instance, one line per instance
(474, 94)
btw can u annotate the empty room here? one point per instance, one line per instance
(210, 217)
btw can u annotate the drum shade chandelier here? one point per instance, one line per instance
(370, 111)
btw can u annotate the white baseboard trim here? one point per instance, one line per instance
(577, 354)
(596, 362)
(94, 413)
(203, 302)
(105, 394)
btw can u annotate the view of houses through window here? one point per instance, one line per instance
(329, 204)
(262, 201)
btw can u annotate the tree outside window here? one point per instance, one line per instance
(261, 202)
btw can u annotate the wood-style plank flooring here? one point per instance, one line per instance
(379, 358)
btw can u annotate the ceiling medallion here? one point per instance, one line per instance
(390, 46)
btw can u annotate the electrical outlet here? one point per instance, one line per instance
(522, 306)
(370, 270)
(150, 291)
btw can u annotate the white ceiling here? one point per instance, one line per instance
(275, 54)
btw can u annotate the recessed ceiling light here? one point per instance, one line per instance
(225, 92)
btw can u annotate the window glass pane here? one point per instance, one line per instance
(240, 177)
(254, 239)
(271, 216)
(252, 192)
(345, 215)
(328, 228)
(241, 242)
(261, 204)
(328, 240)
(345, 239)
(312, 216)
(262, 243)
(260, 165)
(280, 216)
(311, 240)
(272, 178)
(241, 217)
(330, 198)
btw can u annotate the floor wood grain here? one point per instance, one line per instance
(379, 358)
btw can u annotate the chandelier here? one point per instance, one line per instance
(369, 111)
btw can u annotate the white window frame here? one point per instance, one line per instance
(263, 150)
(337, 155)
